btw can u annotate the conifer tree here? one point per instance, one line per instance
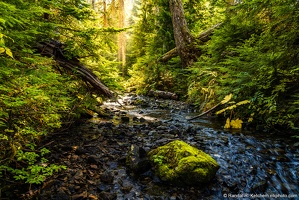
(34, 99)
(253, 56)
(122, 38)
(185, 42)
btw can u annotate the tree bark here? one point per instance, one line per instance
(105, 18)
(55, 49)
(184, 41)
(168, 55)
(93, 3)
(201, 39)
(122, 38)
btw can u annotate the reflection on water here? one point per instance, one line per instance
(251, 163)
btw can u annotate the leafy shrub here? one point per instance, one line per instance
(36, 95)
(255, 56)
(37, 169)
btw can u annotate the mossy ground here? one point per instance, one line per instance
(179, 163)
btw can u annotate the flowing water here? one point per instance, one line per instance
(253, 165)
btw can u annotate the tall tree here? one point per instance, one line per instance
(185, 42)
(122, 37)
(34, 98)
(105, 18)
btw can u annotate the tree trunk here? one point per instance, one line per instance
(185, 42)
(105, 14)
(201, 39)
(93, 4)
(122, 38)
(55, 49)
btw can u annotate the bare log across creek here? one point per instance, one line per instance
(55, 49)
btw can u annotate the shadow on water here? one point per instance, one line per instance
(252, 163)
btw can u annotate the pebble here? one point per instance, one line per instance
(106, 175)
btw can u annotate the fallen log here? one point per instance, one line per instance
(201, 38)
(226, 99)
(55, 49)
(162, 94)
(206, 35)
(204, 113)
(167, 56)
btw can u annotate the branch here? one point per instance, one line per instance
(55, 49)
(204, 113)
(205, 36)
(167, 56)
(202, 38)
(226, 99)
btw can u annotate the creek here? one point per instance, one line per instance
(253, 165)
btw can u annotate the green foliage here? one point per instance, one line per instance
(36, 95)
(201, 15)
(153, 36)
(255, 55)
(37, 169)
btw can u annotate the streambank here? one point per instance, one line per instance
(95, 153)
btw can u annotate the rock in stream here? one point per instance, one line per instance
(95, 153)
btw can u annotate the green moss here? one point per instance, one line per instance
(181, 163)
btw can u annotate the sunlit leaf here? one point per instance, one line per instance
(243, 102)
(225, 109)
(236, 124)
(2, 50)
(8, 52)
(227, 124)
(3, 137)
(227, 98)
(250, 119)
(220, 111)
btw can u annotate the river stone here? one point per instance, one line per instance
(136, 160)
(181, 164)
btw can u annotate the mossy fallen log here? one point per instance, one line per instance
(54, 49)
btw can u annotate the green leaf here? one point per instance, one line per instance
(2, 50)
(8, 52)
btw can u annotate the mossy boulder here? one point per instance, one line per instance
(179, 163)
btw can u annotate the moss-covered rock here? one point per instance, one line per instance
(179, 163)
